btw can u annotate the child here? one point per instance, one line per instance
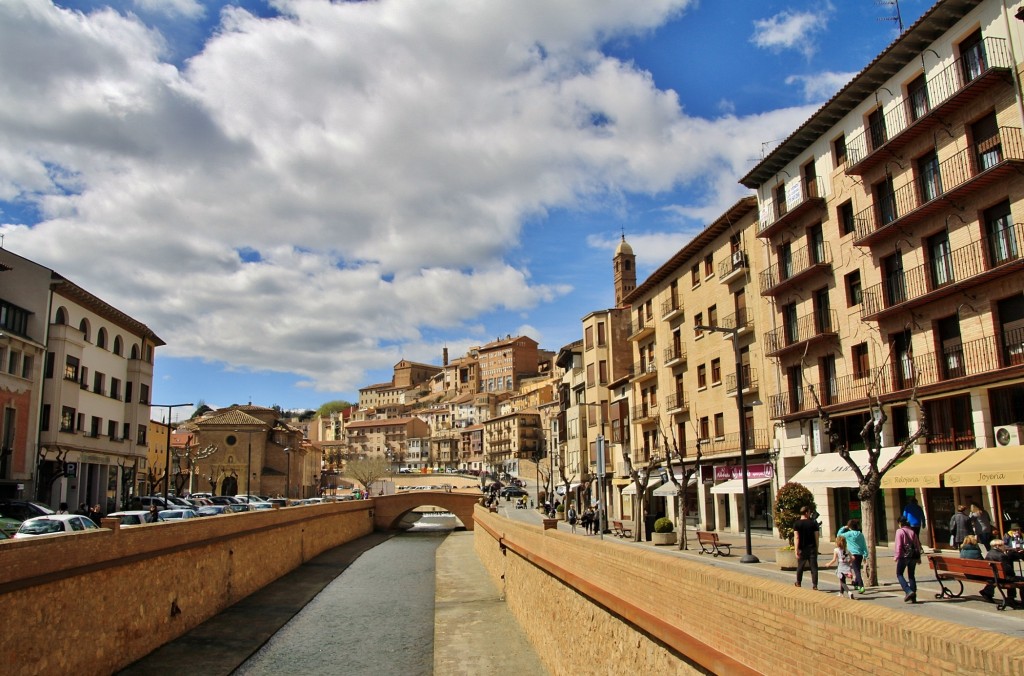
(842, 559)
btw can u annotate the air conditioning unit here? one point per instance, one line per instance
(737, 258)
(1009, 435)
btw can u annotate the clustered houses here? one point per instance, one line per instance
(75, 380)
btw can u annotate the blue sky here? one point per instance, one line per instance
(297, 194)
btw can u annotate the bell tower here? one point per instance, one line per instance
(625, 271)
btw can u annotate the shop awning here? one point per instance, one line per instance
(560, 488)
(923, 470)
(668, 489)
(631, 488)
(830, 469)
(736, 485)
(998, 466)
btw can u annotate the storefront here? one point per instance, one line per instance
(924, 472)
(667, 491)
(997, 473)
(729, 485)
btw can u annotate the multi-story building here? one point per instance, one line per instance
(74, 422)
(386, 438)
(24, 301)
(503, 363)
(511, 438)
(891, 222)
(696, 334)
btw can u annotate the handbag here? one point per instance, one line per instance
(952, 541)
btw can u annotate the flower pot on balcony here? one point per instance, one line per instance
(663, 538)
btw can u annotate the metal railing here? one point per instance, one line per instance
(800, 261)
(819, 323)
(741, 320)
(774, 212)
(993, 53)
(730, 443)
(737, 260)
(676, 402)
(749, 379)
(640, 413)
(670, 306)
(989, 253)
(675, 353)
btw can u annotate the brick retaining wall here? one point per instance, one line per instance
(94, 602)
(632, 609)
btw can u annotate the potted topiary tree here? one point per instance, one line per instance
(790, 499)
(664, 532)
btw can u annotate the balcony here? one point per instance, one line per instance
(733, 267)
(801, 200)
(966, 172)
(795, 335)
(642, 371)
(644, 414)
(749, 381)
(742, 320)
(641, 328)
(932, 372)
(675, 355)
(963, 81)
(677, 403)
(730, 443)
(802, 263)
(991, 257)
(671, 308)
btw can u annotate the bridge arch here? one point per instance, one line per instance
(388, 510)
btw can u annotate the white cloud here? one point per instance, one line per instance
(379, 159)
(820, 87)
(791, 30)
(189, 9)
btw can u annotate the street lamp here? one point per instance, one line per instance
(288, 474)
(167, 459)
(735, 334)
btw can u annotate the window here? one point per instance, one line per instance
(588, 338)
(709, 265)
(876, 129)
(67, 419)
(112, 429)
(839, 150)
(590, 375)
(854, 292)
(94, 428)
(716, 371)
(784, 252)
(115, 388)
(917, 98)
(928, 180)
(704, 428)
(1001, 234)
(71, 368)
(118, 346)
(940, 256)
(885, 201)
(988, 146)
(822, 311)
(695, 275)
(128, 394)
(143, 393)
(48, 366)
(101, 338)
(13, 319)
(713, 315)
(601, 338)
(44, 419)
(790, 326)
(810, 180)
(602, 372)
(26, 366)
(719, 425)
(780, 200)
(99, 383)
(702, 376)
(698, 320)
(972, 56)
(13, 362)
(845, 215)
(816, 244)
(140, 434)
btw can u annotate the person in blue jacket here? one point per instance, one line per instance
(914, 516)
(858, 549)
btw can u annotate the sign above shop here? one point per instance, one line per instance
(762, 470)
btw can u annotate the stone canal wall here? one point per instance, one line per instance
(95, 602)
(596, 606)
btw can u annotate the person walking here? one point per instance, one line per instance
(587, 519)
(571, 516)
(858, 550)
(95, 514)
(805, 543)
(907, 556)
(959, 527)
(982, 525)
(843, 561)
(914, 516)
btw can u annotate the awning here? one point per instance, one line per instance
(999, 466)
(560, 488)
(832, 470)
(736, 485)
(923, 470)
(631, 488)
(668, 489)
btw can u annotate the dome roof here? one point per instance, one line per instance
(623, 248)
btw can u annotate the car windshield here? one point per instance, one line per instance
(41, 527)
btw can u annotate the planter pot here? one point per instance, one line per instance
(786, 558)
(663, 538)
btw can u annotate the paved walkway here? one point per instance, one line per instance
(970, 610)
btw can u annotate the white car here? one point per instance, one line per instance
(176, 514)
(54, 524)
(134, 517)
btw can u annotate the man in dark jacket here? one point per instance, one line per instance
(999, 553)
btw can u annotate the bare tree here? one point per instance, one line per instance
(566, 481)
(191, 456)
(43, 492)
(369, 470)
(870, 481)
(673, 452)
(641, 478)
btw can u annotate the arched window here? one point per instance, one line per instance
(61, 317)
(101, 338)
(118, 345)
(135, 351)
(83, 326)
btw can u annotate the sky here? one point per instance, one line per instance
(295, 195)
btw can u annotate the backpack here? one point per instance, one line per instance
(909, 550)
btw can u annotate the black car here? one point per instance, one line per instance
(23, 509)
(513, 492)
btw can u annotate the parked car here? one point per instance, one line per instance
(54, 524)
(263, 505)
(22, 509)
(280, 502)
(513, 492)
(238, 507)
(158, 500)
(251, 499)
(212, 510)
(177, 514)
(9, 526)
(198, 502)
(223, 500)
(132, 517)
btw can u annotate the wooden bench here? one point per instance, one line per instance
(951, 568)
(622, 528)
(710, 544)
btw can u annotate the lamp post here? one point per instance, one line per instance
(288, 474)
(167, 458)
(735, 335)
(551, 461)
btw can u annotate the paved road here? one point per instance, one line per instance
(970, 610)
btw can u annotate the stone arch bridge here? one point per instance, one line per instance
(388, 510)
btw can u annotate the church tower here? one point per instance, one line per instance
(625, 271)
